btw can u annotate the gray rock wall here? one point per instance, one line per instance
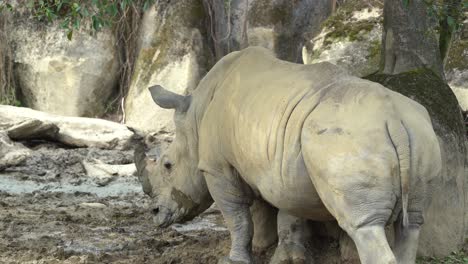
(73, 78)
(174, 54)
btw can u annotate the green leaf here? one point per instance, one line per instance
(84, 12)
(146, 5)
(123, 5)
(65, 23)
(76, 25)
(405, 3)
(70, 35)
(451, 23)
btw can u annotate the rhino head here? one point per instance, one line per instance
(173, 179)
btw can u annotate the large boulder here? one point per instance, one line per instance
(456, 67)
(283, 25)
(349, 38)
(173, 53)
(56, 75)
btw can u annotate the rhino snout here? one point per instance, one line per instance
(162, 217)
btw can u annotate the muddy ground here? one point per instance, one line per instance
(52, 212)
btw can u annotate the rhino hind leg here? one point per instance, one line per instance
(406, 239)
(292, 236)
(264, 217)
(372, 245)
(232, 197)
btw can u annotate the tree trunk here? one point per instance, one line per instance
(447, 30)
(227, 25)
(409, 38)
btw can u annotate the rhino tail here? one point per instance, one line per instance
(400, 139)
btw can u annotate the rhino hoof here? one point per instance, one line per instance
(291, 254)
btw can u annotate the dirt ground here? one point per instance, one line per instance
(52, 212)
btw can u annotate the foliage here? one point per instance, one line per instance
(449, 15)
(457, 257)
(72, 14)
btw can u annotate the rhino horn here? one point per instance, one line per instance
(169, 100)
(140, 163)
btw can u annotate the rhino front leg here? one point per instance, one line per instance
(293, 232)
(233, 198)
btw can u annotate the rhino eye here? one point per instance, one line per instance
(168, 165)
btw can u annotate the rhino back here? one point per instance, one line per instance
(254, 111)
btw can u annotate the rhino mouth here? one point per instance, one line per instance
(163, 216)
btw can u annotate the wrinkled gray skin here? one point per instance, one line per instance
(310, 140)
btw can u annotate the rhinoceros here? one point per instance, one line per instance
(312, 141)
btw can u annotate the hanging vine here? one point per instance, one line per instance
(7, 80)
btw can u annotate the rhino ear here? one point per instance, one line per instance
(169, 100)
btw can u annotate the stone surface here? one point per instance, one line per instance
(32, 129)
(350, 38)
(103, 173)
(73, 78)
(456, 67)
(11, 153)
(173, 53)
(73, 131)
(283, 25)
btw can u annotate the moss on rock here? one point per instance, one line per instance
(342, 25)
(458, 55)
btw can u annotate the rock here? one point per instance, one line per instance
(456, 67)
(101, 168)
(444, 226)
(33, 129)
(11, 153)
(73, 131)
(93, 205)
(104, 173)
(350, 38)
(174, 54)
(55, 75)
(283, 25)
